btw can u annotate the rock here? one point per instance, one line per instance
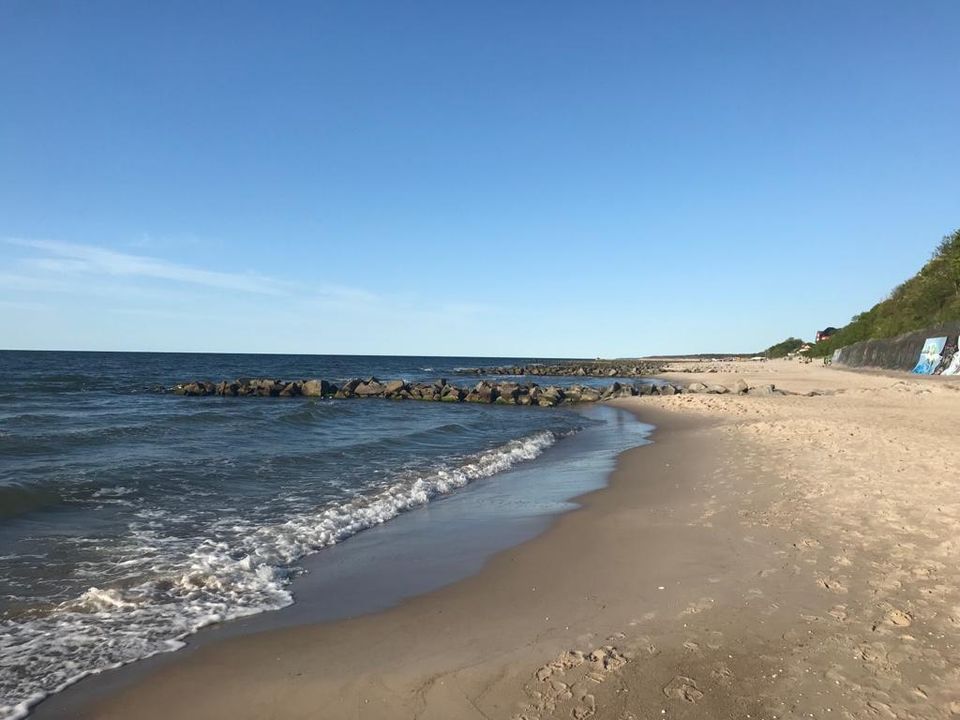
(741, 387)
(762, 390)
(696, 387)
(393, 387)
(266, 388)
(589, 394)
(291, 389)
(191, 389)
(645, 389)
(316, 388)
(451, 394)
(717, 389)
(347, 389)
(666, 389)
(507, 393)
(553, 393)
(483, 392)
(369, 388)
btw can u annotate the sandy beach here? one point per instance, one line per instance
(779, 556)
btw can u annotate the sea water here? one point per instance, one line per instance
(131, 517)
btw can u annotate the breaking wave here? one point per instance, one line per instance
(240, 569)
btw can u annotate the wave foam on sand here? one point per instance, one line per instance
(104, 628)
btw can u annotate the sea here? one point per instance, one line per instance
(131, 517)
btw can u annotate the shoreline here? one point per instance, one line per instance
(771, 556)
(375, 560)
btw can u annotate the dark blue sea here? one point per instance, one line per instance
(131, 517)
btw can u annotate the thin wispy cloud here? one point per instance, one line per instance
(69, 258)
(97, 298)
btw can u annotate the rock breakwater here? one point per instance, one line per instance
(502, 393)
(575, 368)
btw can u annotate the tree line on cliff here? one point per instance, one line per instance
(929, 298)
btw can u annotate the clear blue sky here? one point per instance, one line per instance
(496, 178)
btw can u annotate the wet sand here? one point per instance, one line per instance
(780, 556)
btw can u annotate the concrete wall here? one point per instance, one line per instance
(897, 353)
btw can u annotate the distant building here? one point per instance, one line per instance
(825, 333)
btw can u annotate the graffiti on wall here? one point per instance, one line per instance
(930, 356)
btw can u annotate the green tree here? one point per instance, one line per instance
(929, 298)
(782, 349)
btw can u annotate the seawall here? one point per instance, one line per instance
(896, 353)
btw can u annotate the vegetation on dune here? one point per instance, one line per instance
(782, 349)
(929, 298)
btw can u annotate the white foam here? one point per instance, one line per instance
(115, 491)
(218, 580)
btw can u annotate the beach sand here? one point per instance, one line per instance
(770, 556)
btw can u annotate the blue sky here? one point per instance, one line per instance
(500, 178)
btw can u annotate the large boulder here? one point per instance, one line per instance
(267, 388)
(451, 393)
(717, 389)
(483, 392)
(369, 388)
(393, 387)
(550, 396)
(741, 387)
(696, 387)
(316, 388)
(292, 389)
(589, 394)
(348, 388)
(666, 389)
(192, 389)
(762, 390)
(507, 393)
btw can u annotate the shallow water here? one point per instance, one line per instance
(130, 518)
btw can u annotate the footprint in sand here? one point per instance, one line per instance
(839, 612)
(682, 688)
(607, 658)
(721, 673)
(898, 618)
(587, 709)
(714, 639)
(704, 603)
